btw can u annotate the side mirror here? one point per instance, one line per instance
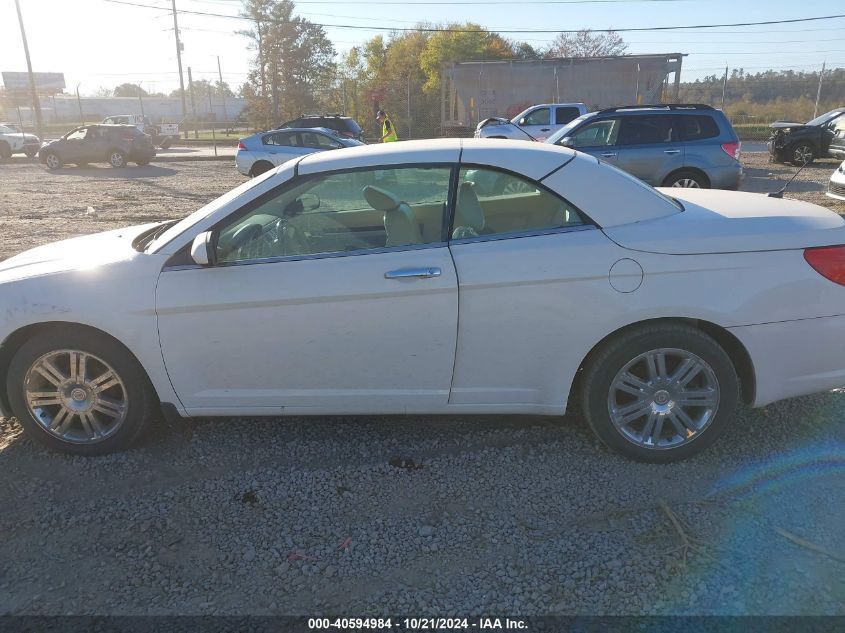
(310, 201)
(521, 121)
(567, 141)
(202, 250)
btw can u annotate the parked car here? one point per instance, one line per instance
(113, 144)
(162, 134)
(303, 292)
(13, 141)
(837, 143)
(801, 144)
(678, 145)
(536, 123)
(263, 151)
(836, 186)
(344, 126)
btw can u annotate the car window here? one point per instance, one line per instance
(539, 116)
(697, 127)
(824, 118)
(77, 134)
(342, 212)
(286, 139)
(565, 115)
(647, 130)
(493, 202)
(597, 134)
(5, 130)
(321, 141)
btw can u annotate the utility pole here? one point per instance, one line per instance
(79, 103)
(179, 63)
(39, 123)
(724, 87)
(140, 100)
(222, 92)
(819, 91)
(193, 104)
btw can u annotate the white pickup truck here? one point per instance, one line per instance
(163, 134)
(13, 141)
(536, 123)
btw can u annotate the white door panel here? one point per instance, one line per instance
(332, 334)
(529, 311)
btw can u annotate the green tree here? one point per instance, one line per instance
(462, 42)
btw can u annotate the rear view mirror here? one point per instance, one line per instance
(202, 249)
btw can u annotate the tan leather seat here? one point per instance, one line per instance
(469, 216)
(399, 222)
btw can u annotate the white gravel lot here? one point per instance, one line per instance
(407, 515)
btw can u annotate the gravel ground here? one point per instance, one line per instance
(413, 515)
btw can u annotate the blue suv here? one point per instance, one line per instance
(675, 145)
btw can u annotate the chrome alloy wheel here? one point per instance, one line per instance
(75, 396)
(686, 183)
(802, 155)
(117, 160)
(52, 161)
(663, 398)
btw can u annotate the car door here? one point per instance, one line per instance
(537, 123)
(531, 269)
(97, 143)
(598, 138)
(319, 301)
(73, 147)
(649, 146)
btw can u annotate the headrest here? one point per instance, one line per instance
(380, 199)
(469, 212)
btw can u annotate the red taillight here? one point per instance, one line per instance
(828, 261)
(732, 149)
(241, 145)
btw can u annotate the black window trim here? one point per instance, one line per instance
(181, 259)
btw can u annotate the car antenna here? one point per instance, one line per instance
(779, 193)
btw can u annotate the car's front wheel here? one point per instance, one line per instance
(52, 161)
(30, 153)
(687, 180)
(661, 393)
(117, 159)
(79, 392)
(802, 154)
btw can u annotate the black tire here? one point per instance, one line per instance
(31, 153)
(686, 178)
(166, 143)
(140, 399)
(260, 167)
(52, 160)
(802, 154)
(609, 360)
(142, 163)
(5, 151)
(117, 158)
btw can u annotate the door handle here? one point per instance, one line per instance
(671, 151)
(406, 273)
(608, 155)
(545, 129)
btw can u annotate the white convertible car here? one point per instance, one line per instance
(377, 280)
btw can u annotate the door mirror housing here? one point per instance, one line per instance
(521, 121)
(567, 141)
(202, 249)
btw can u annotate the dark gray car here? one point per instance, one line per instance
(99, 143)
(664, 145)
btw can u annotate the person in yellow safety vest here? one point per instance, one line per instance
(388, 131)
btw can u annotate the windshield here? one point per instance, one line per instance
(566, 129)
(5, 130)
(824, 118)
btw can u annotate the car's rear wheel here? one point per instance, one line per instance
(802, 154)
(78, 392)
(661, 393)
(117, 158)
(166, 143)
(52, 161)
(687, 180)
(260, 167)
(5, 151)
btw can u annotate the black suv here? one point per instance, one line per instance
(112, 144)
(802, 143)
(343, 125)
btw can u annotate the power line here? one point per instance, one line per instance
(451, 30)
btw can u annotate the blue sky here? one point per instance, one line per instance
(96, 43)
